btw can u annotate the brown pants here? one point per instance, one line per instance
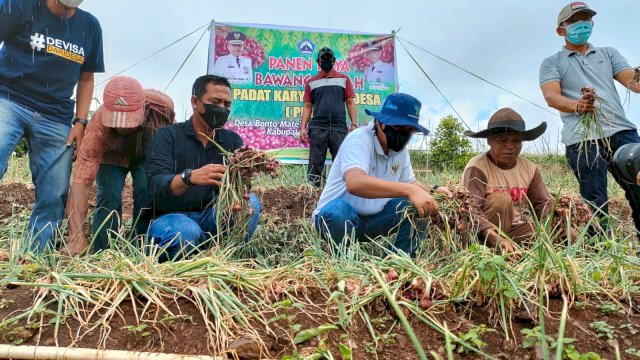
(498, 208)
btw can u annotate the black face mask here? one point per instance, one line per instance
(396, 140)
(214, 116)
(326, 65)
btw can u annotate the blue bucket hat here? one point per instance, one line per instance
(399, 110)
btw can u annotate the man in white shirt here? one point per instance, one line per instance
(235, 67)
(380, 74)
(371, 181)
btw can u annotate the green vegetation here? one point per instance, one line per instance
(449, 147)
(265, 284)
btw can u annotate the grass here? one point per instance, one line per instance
(17, 171)
(235, 287)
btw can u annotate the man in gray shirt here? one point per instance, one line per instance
(562, 77)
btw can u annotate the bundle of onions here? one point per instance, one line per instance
(233, 210)
(590, 127)
(572, 211)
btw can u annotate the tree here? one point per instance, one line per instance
(450, 148)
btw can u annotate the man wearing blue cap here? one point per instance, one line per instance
(371, 181)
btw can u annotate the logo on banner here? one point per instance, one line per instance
(306, 47)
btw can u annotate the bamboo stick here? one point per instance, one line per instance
(58, 353)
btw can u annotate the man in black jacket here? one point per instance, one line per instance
(184, 169)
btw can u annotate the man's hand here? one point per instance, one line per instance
(77, 245)
(445, 191)
(424, 203)
(502, 244)
(509, 249)
(304, 134)
(76, 134)
(353, 127)
(587, 100)
(210, 174)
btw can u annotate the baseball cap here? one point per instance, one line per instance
(325, 50)
(236, 37)
(123, 103)
(398, 110)
(572, 9)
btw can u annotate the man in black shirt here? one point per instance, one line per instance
(184, 170)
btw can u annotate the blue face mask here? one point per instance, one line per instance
(578, 33)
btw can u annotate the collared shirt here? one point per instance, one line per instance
(236, 69)
(597, 68)
(523, 183)
(43, 56)
(172, 150)
(362, 150)
(379, 75)
(327, 92)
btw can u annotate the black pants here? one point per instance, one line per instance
(590, 165)
(319, 141)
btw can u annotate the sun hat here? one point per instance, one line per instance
(508, 120)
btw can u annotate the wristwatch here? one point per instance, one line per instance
(186, 177)
(81, 121)
(434, 188)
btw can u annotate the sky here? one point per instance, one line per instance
(503, 41)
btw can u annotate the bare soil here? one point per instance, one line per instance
(187, 334)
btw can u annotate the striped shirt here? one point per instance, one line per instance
(327, 92)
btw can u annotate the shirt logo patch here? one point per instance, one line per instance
(37, 42)
(395, 167)
(57, 47)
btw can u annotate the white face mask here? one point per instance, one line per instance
(71, 3)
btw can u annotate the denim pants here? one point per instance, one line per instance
(319, 141)
(49, 161)
(108, 214)
(590, 164)
(338, 219)
(183, 233)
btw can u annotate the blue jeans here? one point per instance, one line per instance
(110, 182)
(183, 233)
(590, 165)
(338, 218)
(49, 161)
